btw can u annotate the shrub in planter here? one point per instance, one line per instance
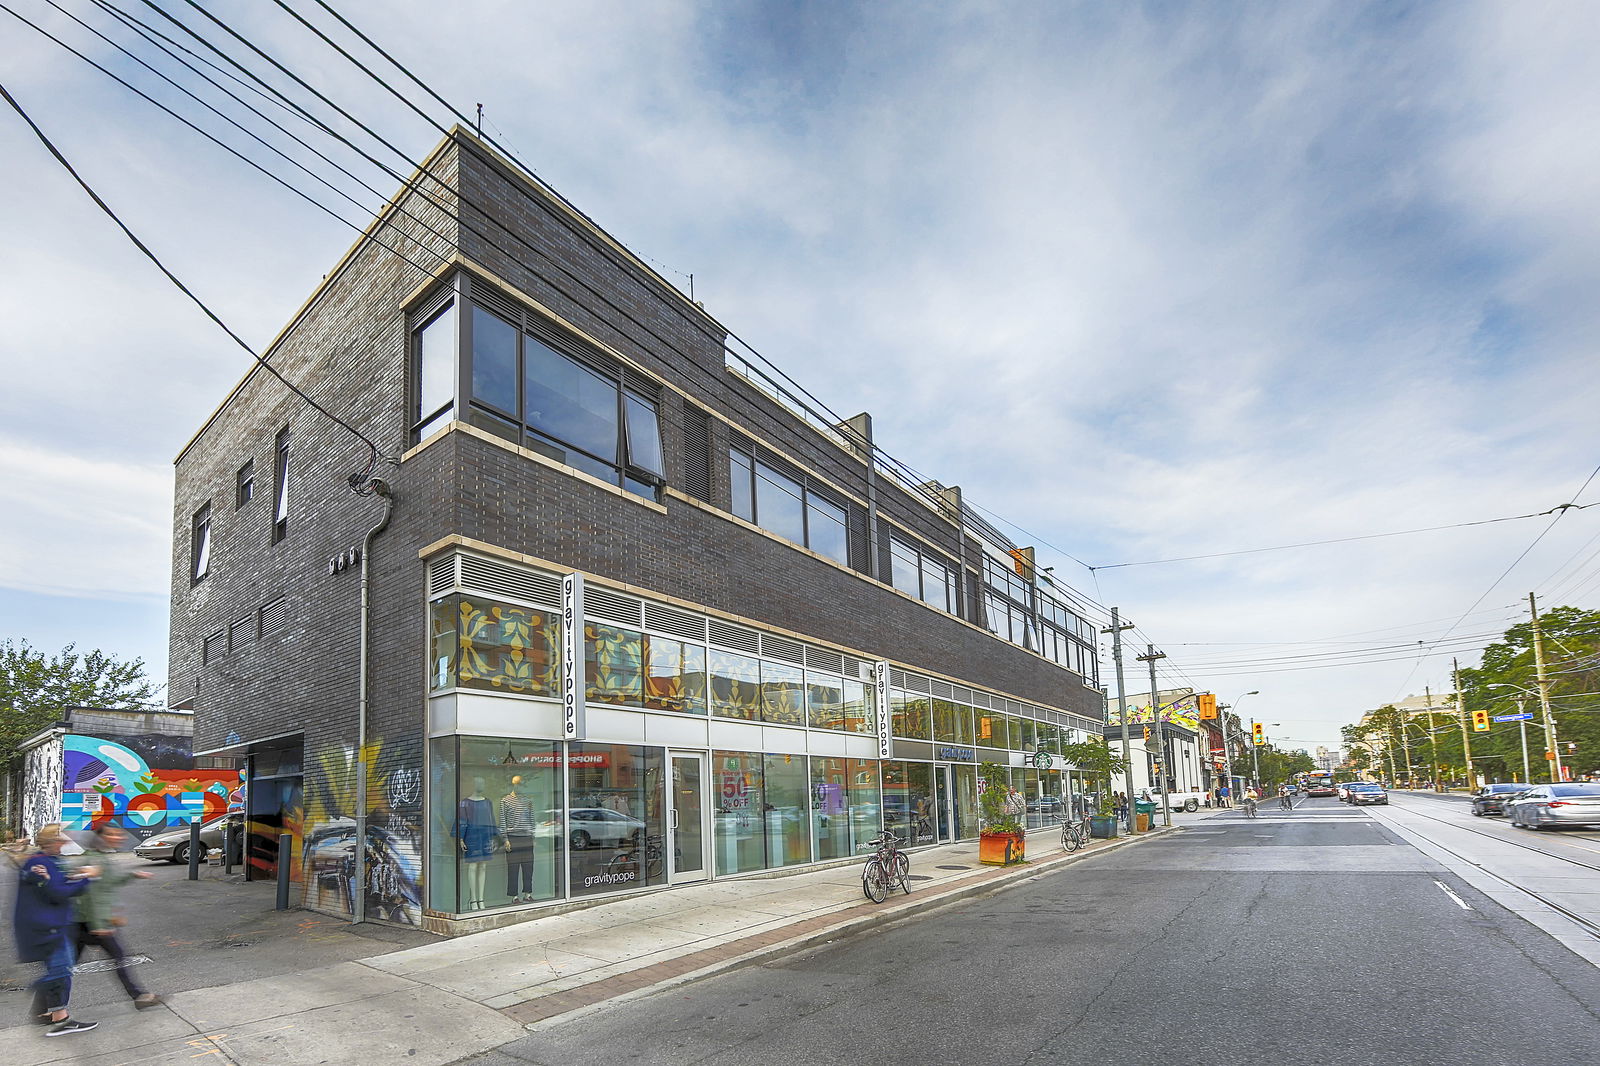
(1001, 839)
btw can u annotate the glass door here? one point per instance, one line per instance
(945, 796)
(687, 829)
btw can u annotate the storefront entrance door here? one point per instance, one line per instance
(687, 829)
(945, 788)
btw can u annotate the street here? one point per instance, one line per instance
(1318, 931)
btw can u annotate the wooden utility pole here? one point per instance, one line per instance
(1117, 626)
(1150, 656)
(1461, 715)
(1544, 692)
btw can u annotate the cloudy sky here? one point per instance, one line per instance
(1147, 280)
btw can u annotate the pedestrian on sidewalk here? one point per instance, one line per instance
(97, 915)
(1120, 805)
(42, 922)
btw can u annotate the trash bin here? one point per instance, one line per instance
(1143, 812)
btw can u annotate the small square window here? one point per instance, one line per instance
(245, 484)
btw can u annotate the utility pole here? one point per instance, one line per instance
(1544, 693)
(1150, 656)
(1433, 738)
(1405, 744)
(1522, 726)
(1461, 718)
(1117, 626)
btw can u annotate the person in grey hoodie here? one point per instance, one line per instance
(96, 910)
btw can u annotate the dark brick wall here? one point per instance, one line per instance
(348, 349)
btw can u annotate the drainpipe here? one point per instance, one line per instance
(359, 910)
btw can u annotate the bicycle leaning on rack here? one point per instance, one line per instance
(1074, 834)
(889, 866)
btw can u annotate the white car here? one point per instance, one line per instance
(590, 827)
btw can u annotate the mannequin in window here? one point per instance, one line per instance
(516, 824)
(477, 836)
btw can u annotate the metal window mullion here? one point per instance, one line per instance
(464, 305)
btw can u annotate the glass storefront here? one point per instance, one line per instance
(616, 826)
(738, 827)
(844, 806)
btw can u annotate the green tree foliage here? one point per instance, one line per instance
(1096, 758)
(36, 688)
(1506, 683)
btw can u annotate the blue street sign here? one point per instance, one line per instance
(1513, 717)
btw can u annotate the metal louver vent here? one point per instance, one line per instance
(678, 623)
(274, 617)
(436, 299)
(731, 636)
(697, 453)
(442, 575)
(498, 579)
(611, 606)
(981, 699)
(897, 678)
(831, 661)
(915, 683)
(963, 694)
(944, 690)
(858, 668)
(496, 301)
(782, 649)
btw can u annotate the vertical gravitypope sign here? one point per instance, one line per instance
(573, 708)
(880, 704)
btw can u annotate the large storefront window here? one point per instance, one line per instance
(500, 647)
(739, 829)
(908, 801)
(782, 692)
(844, 805)
(735, 685)
(613, 664)
(616, 827)
(788, 812)
(910, 716)
(837, 703)
(496, 823)
(966, 800)
(674, 675)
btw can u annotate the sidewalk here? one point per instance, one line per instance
(448, 1000)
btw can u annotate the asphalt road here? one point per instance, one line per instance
(1312, 936)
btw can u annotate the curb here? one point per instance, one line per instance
(568, 1005)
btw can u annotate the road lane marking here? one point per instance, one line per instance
(1463, 904)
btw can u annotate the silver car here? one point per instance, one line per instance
(1548, 806)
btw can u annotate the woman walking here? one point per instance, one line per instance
(43, 926)
(97, 917)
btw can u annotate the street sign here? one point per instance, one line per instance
(1513, 717)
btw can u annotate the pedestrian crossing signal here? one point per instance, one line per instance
(1208, 705)
(1480, 721)
(1258, 732)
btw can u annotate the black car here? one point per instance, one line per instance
(1491, 799)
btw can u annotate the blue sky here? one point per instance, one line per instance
(1148, 280)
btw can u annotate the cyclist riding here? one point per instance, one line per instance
(1285, 797)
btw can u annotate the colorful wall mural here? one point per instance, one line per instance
(327, 824)
(145, 783)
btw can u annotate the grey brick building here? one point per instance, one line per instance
(777, 641)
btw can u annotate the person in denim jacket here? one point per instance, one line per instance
(42, 923)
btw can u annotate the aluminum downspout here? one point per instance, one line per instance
(359, 910)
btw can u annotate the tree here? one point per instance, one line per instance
(1096, 758)
(35, 689)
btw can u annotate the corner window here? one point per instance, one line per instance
(787, 506)
(244, 484)
(280, 492)
(435, 343)
(200, 545)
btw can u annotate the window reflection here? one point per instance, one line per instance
(675, 675)
(735, 685)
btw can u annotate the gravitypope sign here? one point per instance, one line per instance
(573, 707)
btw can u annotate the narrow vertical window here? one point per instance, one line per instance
(436, 372)
(280, 513)
(740, 474)
(245, 484)
(200, 545)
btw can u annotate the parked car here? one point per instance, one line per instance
(1549, 806)
(1361, 793)
(173, 845)
(591, 826)
(1343, 788)
(1491, 799)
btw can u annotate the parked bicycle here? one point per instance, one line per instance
(889, 866)
(1074, 834)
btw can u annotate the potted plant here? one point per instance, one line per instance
(1001, 839)
(1096, 757)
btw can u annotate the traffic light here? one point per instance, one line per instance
(1208, 705)
(1258, 732)
(1480, 721)
(1147, 734)
(1155, 768)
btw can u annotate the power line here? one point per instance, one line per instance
(145, 249)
